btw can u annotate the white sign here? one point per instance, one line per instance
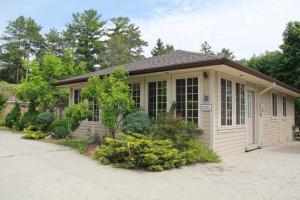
(205, 107)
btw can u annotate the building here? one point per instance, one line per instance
(238, 108)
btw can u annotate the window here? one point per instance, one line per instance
(94, 108)
(187, 99)
(77, 96)
(240, 104)
(274, 104)
(284, 106)
(135, 90)
(226, 102)
(157, 98)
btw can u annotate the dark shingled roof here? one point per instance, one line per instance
(173, 58)
(171, 61)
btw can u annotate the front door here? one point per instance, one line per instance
(250, 117)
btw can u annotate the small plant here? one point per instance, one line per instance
(59, 128)
(137, 122)
(28, 119)
(44, 120)
(80, 144)
(174, 128)
(13, 116)
(33, 133)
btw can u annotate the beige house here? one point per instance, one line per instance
(238, 108)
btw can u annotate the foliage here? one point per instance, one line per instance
(33, 133)
(59, 128)
(138, 122)
(124, 43)
(161, 49)
(36, 90)
(112, 93)
(28, 119)
(206, 49)
(290, 71)
(226, 53)
(84, 34)
(55, 43)
(141, 152)
(266, 62)
(174, 128)
(138, 151)
(76, 113)
(12, 117)
(22, 40)
(45, 119)
(80, 144)
(3, 100)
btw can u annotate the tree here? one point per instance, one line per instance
(267, 63)
(84, 35)
(37, 88)
(124, 43)
(55, 43)
(113, 97)
(161, 49)
(226, 53)
(206, 49)
(289, 72)
(22, 40)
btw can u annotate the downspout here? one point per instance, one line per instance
(260, 123)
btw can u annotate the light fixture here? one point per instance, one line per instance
(205, 74)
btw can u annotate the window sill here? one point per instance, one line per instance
(231, 127)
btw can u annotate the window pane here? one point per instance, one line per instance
(223, 102)
(135, 93)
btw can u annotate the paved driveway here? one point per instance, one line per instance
(39, 171)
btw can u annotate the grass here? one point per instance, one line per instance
(80, 144)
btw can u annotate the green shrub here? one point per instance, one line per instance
(80, 144)
(44, 120)
(139, 151)
(13, 116)
(193, 152)
(3, 100)
(174, 128)
(33, 133)
(76, 113)
(28, 119)
(59, 128)
(137, 122)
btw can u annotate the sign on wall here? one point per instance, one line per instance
(205, 107)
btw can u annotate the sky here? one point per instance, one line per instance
(246, 27)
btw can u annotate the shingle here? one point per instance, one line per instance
(174, 58)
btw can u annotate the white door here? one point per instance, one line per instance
(250, 116)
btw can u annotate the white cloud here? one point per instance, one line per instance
(246, 27)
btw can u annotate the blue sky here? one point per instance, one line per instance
(246, 27)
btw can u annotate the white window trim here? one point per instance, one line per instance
(218, 115)
(167, 98)
(175, 86)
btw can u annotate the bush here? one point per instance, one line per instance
(80, 144)
(33, 133)
(174, 128)
(76, 113)
(28, 119)
(194, 152)
(139, 151)
(13, 116)
(59, 128)
(44, 120)
(138, 122)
